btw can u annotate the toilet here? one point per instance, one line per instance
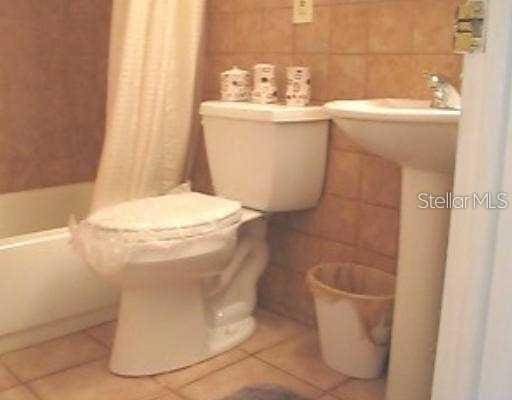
(188, 263)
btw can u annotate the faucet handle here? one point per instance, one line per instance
(434, 80)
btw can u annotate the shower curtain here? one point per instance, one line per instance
(154, 52)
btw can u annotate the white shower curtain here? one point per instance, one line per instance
(154, 54)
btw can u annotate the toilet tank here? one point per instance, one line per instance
(268, 157)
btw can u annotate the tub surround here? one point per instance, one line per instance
(378, 51)
(53, 90)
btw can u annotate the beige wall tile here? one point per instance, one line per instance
(54, 70)
(334, 218)
(220, 5)
(336, 252)
(17, 393)
(358, 389)
(277, 30)
(433, 26)
(381, 182)
(220, 31)
(349, 28)
(248, 31)
(379, 230)
(276, 3)
(183, 376)
(347, 76)
(314, 37)
(387, 77)
(375, 260)
(271, 288)
(245, 5)
(249, 372)
(344, 174)
(299, 299)
(301, 357)
(52, 356)
(93, 381)
(391, 27)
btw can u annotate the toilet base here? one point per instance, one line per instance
(170, 320)
(147, 344)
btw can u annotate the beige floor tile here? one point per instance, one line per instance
(17, 393)
(169, 396)
(360, 389)
(270, 330)
(7, 380)
(186, 375)
(53, 356)
(301, 357)
(104, 333)
(93, 381)
(248, 372)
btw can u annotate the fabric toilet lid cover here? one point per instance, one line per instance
(190, 212)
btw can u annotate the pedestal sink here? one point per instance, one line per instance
(423, 141)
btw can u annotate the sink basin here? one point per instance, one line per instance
(423, 141)
(409, 132)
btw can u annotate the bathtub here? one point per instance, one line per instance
(46, 290)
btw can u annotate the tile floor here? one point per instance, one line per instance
(75, 367)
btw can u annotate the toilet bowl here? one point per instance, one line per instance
(188, 284)
(188, 263)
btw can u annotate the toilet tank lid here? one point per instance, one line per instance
(169, 212)
(262, 112)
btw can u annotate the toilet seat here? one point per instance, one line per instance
(173, 216)
(156, 229)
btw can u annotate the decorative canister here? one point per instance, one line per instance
(235, 85)
(298, 89)
(264, 90)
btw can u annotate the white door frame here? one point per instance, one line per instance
(474, 354)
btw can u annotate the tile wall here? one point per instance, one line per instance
(53, 68)
(356, 49)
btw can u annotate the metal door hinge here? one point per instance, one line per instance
(470, 27)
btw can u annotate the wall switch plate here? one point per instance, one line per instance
(302, 11)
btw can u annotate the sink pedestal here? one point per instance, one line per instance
(423, 140)
(421, 264)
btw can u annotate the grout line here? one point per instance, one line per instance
(33, 392)
(322, 53)
(328, 239)
(91, 336)
(10, 371)
(324, 391)
(178, 388)
(30, 381)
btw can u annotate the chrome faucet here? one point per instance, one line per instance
(444, 93)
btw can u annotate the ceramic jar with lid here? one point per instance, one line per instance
(298, 89)
(264, 90)
(235, 85)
